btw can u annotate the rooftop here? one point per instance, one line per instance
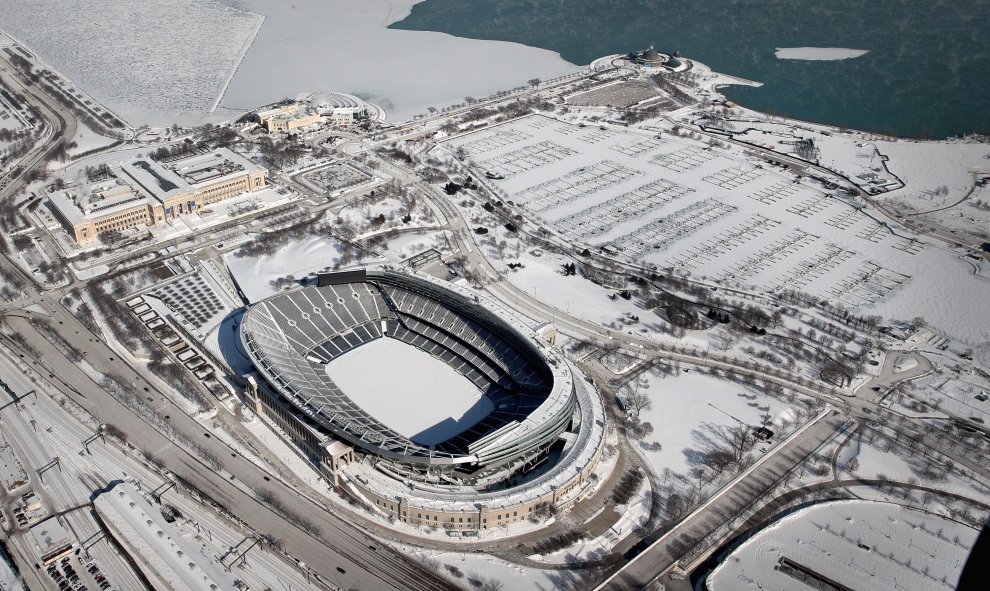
(208, 168)
(153, 541)
(144, 180)
(11, 472)
(158, 181)
(849, 544)
(98, 198)
(49, 535)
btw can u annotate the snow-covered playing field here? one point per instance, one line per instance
(408, 390)
(724, 215)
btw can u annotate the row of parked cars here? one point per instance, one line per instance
(65, 576)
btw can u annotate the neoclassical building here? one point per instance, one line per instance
(144, 191)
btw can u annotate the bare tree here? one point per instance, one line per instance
(636, 402)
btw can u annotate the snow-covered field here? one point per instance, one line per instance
(719, 214)
(872, 461)
(255, 275)
(857, 544)
(950, 392)
(701, 401)
(150, 62)
(483, 566)
(419, 397)
(410, 243)
(541, 278)
(938, 179)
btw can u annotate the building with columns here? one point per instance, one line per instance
(142, 191)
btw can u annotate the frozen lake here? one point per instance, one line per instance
(408, 390)
(191, 61)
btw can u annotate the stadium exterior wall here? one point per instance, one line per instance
(408, 508)
(409, 511)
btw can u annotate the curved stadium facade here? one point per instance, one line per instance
(537, 410)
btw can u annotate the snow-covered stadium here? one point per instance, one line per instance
(444, 397)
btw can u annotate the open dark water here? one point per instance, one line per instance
(927, 73)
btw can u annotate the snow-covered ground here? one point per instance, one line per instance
(150, 62)
(410, 243)
(8, 580)
(430, 404)
(540, 276)
(255, 275)
(857, 544)
(926, 166)
(950, 392)
(687, 409)
(719, 214)
(879, 460)
(477, 566)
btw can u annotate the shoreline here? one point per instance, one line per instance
(903, 91)
(248, 43)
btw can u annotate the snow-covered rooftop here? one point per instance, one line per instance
(850, 545)
(49, 535)
(145, 180)
(177, 560)
(212, 167)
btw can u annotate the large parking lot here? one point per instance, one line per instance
(711, 211)
(620, 95)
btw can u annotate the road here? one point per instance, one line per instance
(340, 553)
(61, 121)
(43, 426)
(888, 377)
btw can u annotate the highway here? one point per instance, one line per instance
(363, 562)
(62, 126)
